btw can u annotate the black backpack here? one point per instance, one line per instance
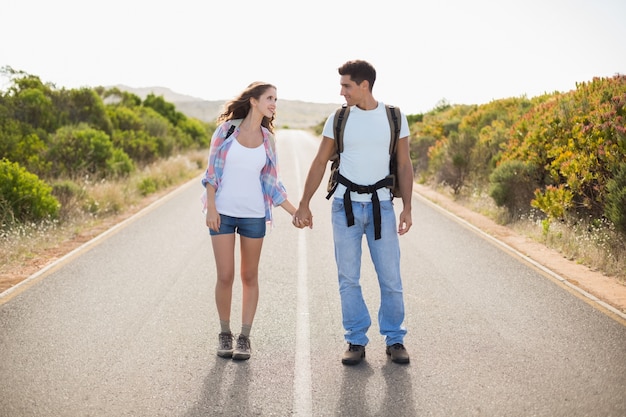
(341, 116)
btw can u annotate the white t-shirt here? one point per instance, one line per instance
(365, 156)
(240, 193)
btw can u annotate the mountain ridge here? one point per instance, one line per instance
(294, 114)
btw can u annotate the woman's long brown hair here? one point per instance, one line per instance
(239, 107)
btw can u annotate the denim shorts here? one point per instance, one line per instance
(245, 226)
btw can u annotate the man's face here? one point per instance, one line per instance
(351, 91)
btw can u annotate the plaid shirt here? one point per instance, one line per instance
(274, 192)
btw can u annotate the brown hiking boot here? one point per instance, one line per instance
(354, 355)
(225, 345)
(242, 350)
(398, 353)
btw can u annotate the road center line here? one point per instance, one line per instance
(302, 401)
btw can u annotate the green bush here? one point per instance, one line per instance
(34, 107)
(196, 131)
(554, 201)
(67, 190)
(23, 196)
(124, 118)
(140, 146)
(120, 164)
(148, 186)
(615, 208)
(164, 108)
(85, 106)
(455, 163)
(70, 195)
(76, 151)
(158, 128)
(513, 185)
(419, 153)
(22, 144)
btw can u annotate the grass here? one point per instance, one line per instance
(593, 243)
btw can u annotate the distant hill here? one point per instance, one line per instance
(293, 114)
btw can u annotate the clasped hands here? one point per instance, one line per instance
(302, 218)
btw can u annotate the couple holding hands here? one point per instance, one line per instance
(242, 187)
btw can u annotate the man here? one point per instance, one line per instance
(364, 163)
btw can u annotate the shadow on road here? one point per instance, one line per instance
(356, 397)
(224, 394)
(399, 399)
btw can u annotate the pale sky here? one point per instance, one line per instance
(463, 51)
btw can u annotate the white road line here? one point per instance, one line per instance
(302, 401)
(9, 293)
(592, 300)
(302, 376)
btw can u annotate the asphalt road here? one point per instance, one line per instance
(127, 326)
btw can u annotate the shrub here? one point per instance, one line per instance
(513, 185)
(140, 146)
(71, 197)
(554, 201)
(196, 131)
(615, 208)
(77, 151)
(419, 153)
(148, 186)
(160, 129)
(23, 196)
(120, 164)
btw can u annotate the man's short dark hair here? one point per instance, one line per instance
(359, 70)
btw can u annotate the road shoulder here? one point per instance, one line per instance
(607, 289)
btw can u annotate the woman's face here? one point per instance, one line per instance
(266, 104)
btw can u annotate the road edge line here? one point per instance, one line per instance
(23, 285)
(591, 299)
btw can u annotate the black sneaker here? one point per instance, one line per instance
(242, 350)
(354, 355)
(398, 353)
(225, 345)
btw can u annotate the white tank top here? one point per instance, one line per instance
(240, 193)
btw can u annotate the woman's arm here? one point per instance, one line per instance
(289, 208)
(212, 216)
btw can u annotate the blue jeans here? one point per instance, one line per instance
(385, 254)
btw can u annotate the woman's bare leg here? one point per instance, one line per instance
(250, 257)
(224, 252)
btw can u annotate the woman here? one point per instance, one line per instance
(242, 186)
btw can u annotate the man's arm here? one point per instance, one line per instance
(405, 181)
(303, 216)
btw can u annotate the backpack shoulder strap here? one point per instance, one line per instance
(230, 131)
(339, 123)
(234, 123)
(393, 114)
(341, 117)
